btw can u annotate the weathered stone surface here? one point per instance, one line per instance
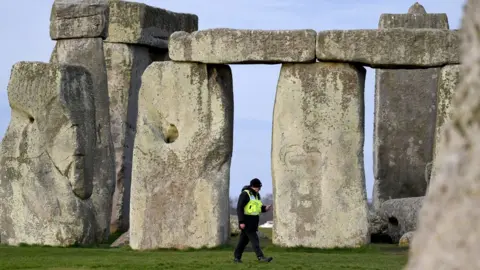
(234, 227)
(447, 85)
(123, 240)
(428, 172)
(136, 23)
(46, 158)
(437, 21)
(79, 19)
(402, 215)
(377, 223)
(88, 53)
(416, 17)
(404, 132)
(406, 239)
(181, 159)
(405, 95)
(229, 46)
(377, 226)
(448, 236)
(390, 48)
(417, 9)
(317, 157)
(125, 65)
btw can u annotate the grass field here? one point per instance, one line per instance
(388, 257)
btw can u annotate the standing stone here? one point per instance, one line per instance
(125, 66)
(137, 36)
(89, 53)
(448, 235)
(46, 157)
(181, 159)
(404, 132)
(317, 157)
(79, 19)
(405, 113)
(447, 85)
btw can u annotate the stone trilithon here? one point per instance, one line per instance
(317, 156)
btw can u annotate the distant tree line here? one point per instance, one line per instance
(266, 199)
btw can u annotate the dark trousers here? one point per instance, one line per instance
(245, 237)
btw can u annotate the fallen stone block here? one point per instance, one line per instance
(231, 46)
(46, 157)
(125, 65)
(136, 23)
(79, 19)
(390, 48)
(378, 227)
(123, 240)
(181, 159)
(88, 53)
(317, 157)
(402, 215)
(447, 236)
(406, 239)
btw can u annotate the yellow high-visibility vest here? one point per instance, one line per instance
(254, 206)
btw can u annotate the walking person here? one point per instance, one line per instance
(249, 207)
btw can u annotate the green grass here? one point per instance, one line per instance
(387, 257)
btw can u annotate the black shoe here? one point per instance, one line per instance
(236, 260)
(265, 259)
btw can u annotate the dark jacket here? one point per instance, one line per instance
(251, 222)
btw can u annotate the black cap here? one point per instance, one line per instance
(255, 183)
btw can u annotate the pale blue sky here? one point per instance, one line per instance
(24, 28)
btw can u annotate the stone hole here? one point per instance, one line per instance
(31, 119)
(393, 221)
(171, 134)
